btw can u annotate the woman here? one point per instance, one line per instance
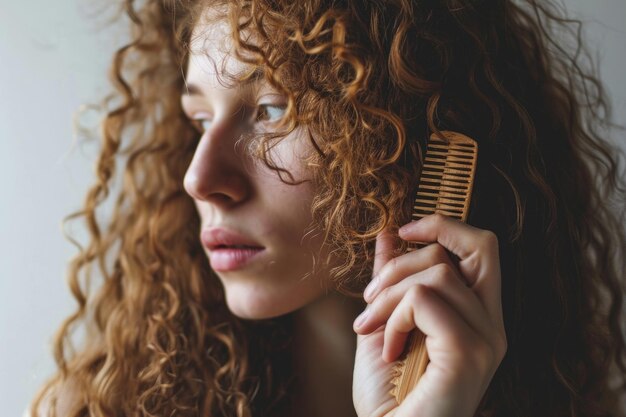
(269, 151)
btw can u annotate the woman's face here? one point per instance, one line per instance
(252, 224)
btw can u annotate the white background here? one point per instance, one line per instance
(53, 58)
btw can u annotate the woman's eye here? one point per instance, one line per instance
(270, 112)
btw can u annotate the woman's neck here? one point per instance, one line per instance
(324, 348)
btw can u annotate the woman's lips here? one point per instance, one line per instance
(229, 250)
(230, 258)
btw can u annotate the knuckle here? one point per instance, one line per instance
(438, 252)
(442, 273)
(438, 218)
(489, 238)
(415, 294)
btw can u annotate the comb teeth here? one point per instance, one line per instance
(447, 177)
(445, 187)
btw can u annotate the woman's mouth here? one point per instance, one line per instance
(229, 250)
(230, 258)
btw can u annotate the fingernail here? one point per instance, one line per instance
(362, 317)
(371, 287)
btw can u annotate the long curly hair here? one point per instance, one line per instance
(370, 80)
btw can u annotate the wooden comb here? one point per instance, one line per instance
(445, 186)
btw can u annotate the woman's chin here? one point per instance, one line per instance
(251, 312)
(258, 304)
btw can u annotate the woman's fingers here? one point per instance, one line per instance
(456, 304)
(476, 248)
(445, 281)
(422, 308)
(398, 268)
(470, 289)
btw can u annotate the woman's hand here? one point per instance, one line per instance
(458, 308)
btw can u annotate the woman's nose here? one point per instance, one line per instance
(217, 173)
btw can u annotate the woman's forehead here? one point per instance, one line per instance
(212, 55)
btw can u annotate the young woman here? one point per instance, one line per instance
(269, 151)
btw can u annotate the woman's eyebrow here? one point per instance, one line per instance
(247, 78)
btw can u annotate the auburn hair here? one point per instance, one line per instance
(370, 81)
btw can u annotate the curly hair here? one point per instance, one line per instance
(370, 81)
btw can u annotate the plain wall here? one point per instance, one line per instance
(53, 58)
